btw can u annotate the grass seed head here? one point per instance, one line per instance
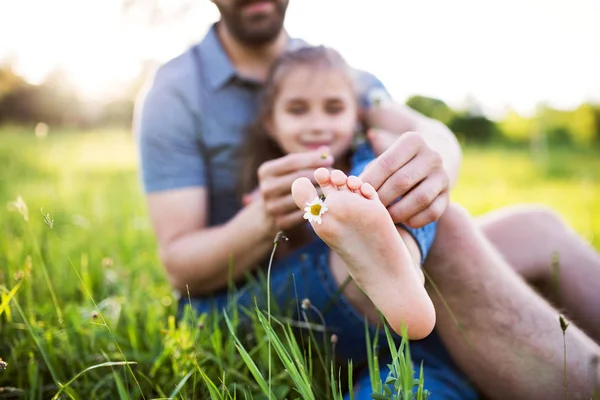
(563, 323)
(306, 304)
(334, 338)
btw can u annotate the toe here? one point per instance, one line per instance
(323, 178)
(339, 179)
(303, 192)
(354, 183)
(368, 191)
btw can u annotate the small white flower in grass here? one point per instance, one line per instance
(314, 210)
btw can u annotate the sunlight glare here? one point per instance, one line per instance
(97, 78)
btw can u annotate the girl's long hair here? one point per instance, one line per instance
(259, 147)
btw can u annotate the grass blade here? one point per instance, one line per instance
(7, 297)
(123, 395)
(262, 383)
(295, 368)
(103, 365)
(180, 385)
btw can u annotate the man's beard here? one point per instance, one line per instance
(254, 30)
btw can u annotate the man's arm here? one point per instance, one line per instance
(174, 177)
(396, 118)
(203, 258)
(418, 158)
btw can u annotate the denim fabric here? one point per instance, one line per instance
(305, 274)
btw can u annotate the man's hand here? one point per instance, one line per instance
(275, 178)
(408, 167)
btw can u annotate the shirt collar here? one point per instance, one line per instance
(215, 62)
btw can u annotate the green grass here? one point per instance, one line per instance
(86, 311)
(566, 180)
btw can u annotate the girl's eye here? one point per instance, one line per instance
(334, 107)
(297, 108)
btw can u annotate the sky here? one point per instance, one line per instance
(500, 53)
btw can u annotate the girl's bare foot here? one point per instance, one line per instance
(359, 229)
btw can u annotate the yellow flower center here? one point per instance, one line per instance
(315, 209)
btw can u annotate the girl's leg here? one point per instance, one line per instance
(365, 241)
(552, 256)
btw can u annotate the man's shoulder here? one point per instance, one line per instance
(180, 77)
(178, 72)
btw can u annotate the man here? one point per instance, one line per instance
(190, 127)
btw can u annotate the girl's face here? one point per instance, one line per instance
(313, 108)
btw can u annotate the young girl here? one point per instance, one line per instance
(310, 104)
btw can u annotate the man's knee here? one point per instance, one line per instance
(532, 217)
(541, 217)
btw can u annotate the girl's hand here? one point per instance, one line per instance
(275, 178)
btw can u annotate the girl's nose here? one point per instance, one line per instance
(320, 124)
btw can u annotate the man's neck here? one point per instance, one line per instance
(251, 62)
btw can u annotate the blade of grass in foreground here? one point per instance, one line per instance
(249, 362)
(36, 339)
(7, 297)
(104, 364)
(295, 368)
(179, 386)
(420, 393)
(123, 395)
(372, 359)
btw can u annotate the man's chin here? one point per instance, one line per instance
(260, 33)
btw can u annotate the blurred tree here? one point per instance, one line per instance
(474, 129)
(554, 124)
(582, 123)
(9, 81)
(596, 109)
(52, 102)
(432, 107)
(517, 128)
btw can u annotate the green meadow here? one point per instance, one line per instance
(86, 310)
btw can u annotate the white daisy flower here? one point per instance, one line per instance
(314, 210)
